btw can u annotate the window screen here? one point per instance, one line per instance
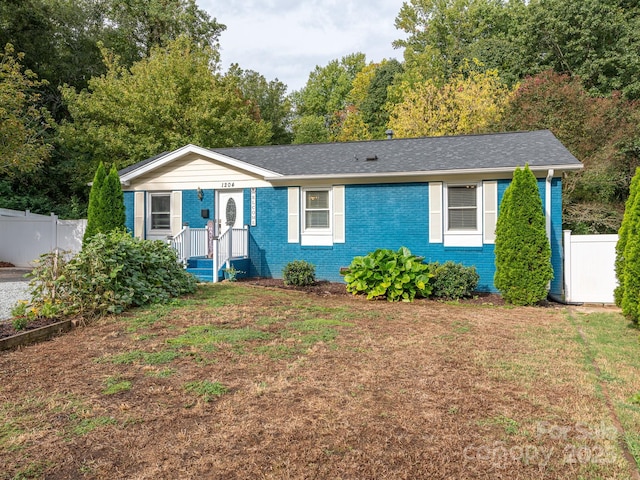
(462, 207)
(317, 209)
(160, 212)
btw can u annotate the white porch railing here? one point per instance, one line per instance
(194, 242)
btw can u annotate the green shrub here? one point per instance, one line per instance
(113, 272)
(385, 273)
(94, 203)
(630, 279)
(522, 250)
(299, 273)
(626, 229)
(452, 280)
(106, 203)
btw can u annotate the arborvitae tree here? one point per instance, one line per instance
(630, 278)
(112, 214)
(522, 250)
(623, 236)
(93, 211)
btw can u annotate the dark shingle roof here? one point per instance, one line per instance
(508, 150)
(467, 152)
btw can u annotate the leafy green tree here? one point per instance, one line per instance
(172, 98)
(318, 106)
(522, 250)
(597, 40)
(467, 103)
(602, 132)
(138, 26)
(623, 237)
(310, 129)
(23, 124)
(374, 113)
(270, 100)
(443, 33)
(94, 211)
(328, 87)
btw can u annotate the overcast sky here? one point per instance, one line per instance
(286, 39)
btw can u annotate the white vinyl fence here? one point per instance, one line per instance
(589, 268)
(24, 236)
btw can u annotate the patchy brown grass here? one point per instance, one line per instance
(246, 382)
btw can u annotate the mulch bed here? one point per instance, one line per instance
(325, 288)
(6, 264)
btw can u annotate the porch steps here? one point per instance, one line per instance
(202, 269)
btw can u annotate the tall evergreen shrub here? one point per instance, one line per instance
(94, 203)
(629, 274)
(112, 214)
(623, 236)
(522, 250)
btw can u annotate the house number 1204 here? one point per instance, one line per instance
(228, 184)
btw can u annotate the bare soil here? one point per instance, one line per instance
(332, 386)
(7, 329)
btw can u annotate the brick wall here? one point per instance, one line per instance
(377, 216)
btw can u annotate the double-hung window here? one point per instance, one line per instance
(160, 211)
(463, 214)
(462, 207)
(316, 215)
(317, 210)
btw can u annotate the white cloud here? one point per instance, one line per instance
(286, 39)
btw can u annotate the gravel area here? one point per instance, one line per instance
(10, 294)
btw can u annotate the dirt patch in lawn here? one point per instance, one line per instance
(246, 382)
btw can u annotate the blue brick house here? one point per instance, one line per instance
(327, 203)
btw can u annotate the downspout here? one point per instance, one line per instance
(547, 203)
(547, 214)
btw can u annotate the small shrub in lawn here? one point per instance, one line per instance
(452, 280)
(299, 273)
(385, 273)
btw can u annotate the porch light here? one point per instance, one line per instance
(200, 193)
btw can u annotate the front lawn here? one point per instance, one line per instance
(239, 381)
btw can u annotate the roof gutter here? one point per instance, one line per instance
(427, 173)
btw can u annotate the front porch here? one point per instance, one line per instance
(207, 255)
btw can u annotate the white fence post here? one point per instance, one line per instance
(567, 265)
(54, 231)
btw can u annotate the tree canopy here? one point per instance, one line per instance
(23, 125)
(172, 98)
(142, 76)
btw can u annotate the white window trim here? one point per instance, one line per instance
(459, 237)
(314, 236)
(151, 230)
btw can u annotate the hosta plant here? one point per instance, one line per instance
(393, 275)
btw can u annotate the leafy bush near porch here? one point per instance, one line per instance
(452, 281)
(113, 272)
(385, 273)
(299, 273)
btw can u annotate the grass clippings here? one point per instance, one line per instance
(239, 381)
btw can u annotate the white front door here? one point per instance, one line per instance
(230, 209)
